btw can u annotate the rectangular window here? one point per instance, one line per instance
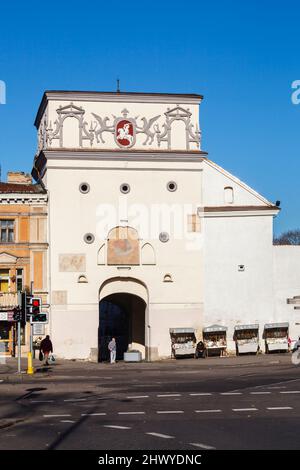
(4, 280)
(7, 231)
(19, 280)
(193, 223)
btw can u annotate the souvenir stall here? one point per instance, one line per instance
(215, 340)
(246, 339)
(276, 337)
(183, 342)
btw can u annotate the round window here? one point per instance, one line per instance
(84, 188)
(89, 238)
(124, 188)
(164, 237)
(171, 186)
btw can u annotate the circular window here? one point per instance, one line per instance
(124, 188)
(164, 237)
(172, 186)
(84, 188)
(89, 238)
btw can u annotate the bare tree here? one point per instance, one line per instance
(291, 237)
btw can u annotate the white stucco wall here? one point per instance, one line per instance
(287, 286)
(72, 214)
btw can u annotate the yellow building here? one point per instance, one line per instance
(23, 251)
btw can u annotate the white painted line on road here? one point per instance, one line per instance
(274, 408)
(41, 401)
(199, 394)
(231, 393)
(169, 395)
(260, 393)
(208, 411)
(131, 412)
(244, 409)
(76, 399)
(291, 391)
(115, 427)
(67, 421)
(202, 446)
(156, 434)
(169, 412)
(275, 388)
(139, 396)
(56, 416)
(93, 414)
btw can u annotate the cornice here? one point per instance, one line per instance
(122, 155)
(115, 97)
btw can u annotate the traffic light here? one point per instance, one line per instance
(37, 315)
(17, 314)
(31, 309)
(35, 308)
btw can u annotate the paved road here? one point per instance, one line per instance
(232, 403)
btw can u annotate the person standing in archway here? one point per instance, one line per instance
(112, 347)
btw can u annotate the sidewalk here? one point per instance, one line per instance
(64, 369)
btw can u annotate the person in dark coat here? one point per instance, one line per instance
(46, 348)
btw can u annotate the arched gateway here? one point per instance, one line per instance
(123, 313)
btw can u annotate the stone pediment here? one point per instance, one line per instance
(6, 258)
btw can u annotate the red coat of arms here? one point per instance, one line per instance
(125, 133)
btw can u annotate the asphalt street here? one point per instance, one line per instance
(246, 402)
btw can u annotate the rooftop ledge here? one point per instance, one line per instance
(115, 96)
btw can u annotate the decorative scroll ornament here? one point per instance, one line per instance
(66, 112)
(42, 132)
(178, 114)
(124, 129)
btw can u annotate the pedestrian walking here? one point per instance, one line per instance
(46, 348)
(112, 347)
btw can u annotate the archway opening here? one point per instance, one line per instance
(121, 315)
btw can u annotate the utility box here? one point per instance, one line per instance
(132, 356)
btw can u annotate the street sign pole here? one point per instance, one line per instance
(19, 333)
(30, 369)
(19, 347)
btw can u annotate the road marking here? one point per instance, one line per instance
(279, 408)
(291, 391)
(76, 399)
(260, 393)
(231, 393)
(139, 396)
(244, 409)
(199, 394)
(56, 416)
(93, 414)
(156, 434)
(169, 412)
(131, 413)
(41, 401)
(67, 421)
(202, 446)
(169, 395)
(115, 427)
(275, 388)
(208, 411)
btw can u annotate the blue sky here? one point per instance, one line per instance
(243, 56)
